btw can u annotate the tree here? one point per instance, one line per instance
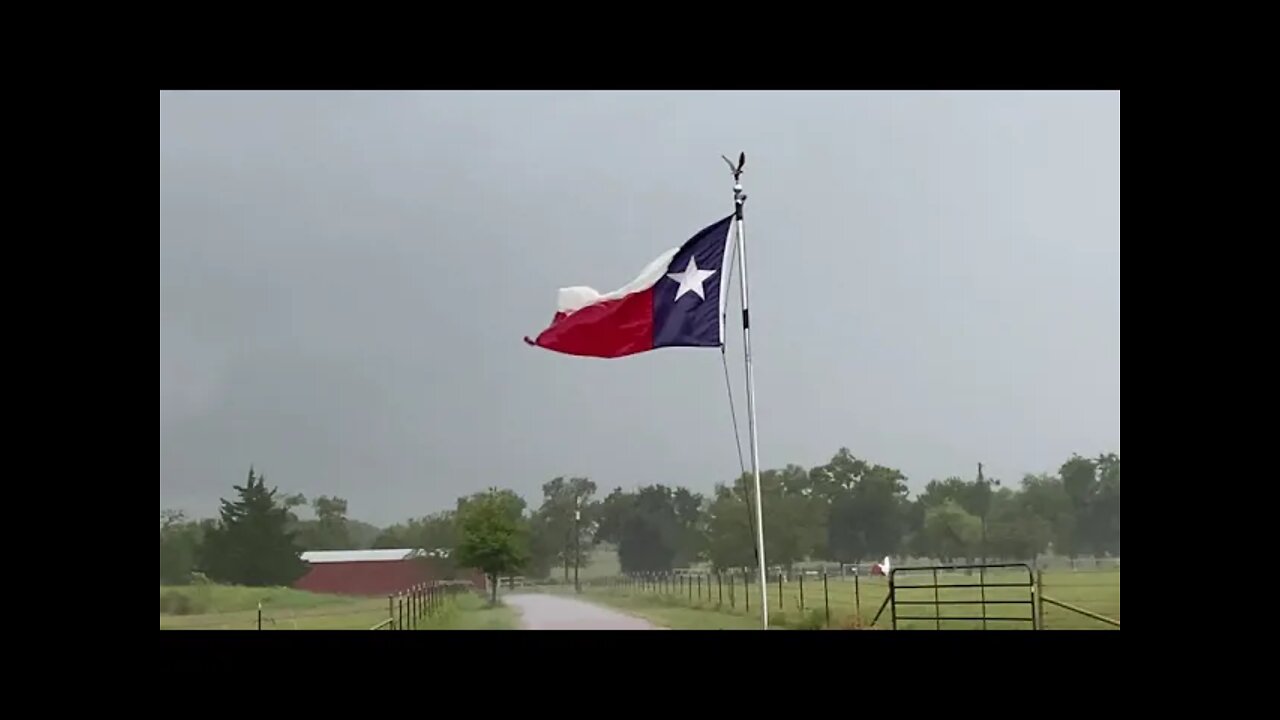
(974, 497)
(795, 520)
(1014, 532)
(493, 535)
(729, 531)
(330, 530)
(1105, 511)
(180, 541)
(870, 514)
(436, 534)
(648, 535)
(913, 525)
(881, 499)
(252, 545)
(544, 546)
(439, 531)
(807, 506)
(362, 534)
(433, 532)
(842, 473)
(787, 536)
(397, 536)
(846, 540)
(289, 502)
(1046, 497)
(646, 544)
(610, 514)
(1079, 479)
(561, 500)
(656, 529)
(331, 513)
(691, 531)
(950, 532)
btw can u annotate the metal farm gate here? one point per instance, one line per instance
(975, 595)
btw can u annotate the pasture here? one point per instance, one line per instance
(709, 602)
(225, 607)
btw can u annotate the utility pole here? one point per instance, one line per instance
(577, 541)
(986, 505)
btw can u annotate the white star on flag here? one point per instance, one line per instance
(691, 279)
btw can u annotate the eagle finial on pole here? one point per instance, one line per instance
(736, 170)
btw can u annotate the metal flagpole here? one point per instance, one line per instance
(739, 199)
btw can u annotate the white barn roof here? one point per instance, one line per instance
(342, 556)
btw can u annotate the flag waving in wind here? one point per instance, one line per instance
(676, 301)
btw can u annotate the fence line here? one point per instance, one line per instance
(247, 619)
(409, 609)
(1102, 618)
(830, 600)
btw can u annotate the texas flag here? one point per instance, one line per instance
(677, 301)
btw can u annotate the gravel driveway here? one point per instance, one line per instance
(553, 612)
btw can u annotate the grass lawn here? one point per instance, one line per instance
(723, 605)
(671, 612)
(1097, 591)
(469, 611)
(224, 607)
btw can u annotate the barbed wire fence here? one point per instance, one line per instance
(411, 609)
(1070, 594)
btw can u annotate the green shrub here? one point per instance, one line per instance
(813, 620)
(174, 602)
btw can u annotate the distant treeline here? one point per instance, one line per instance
(847, 510)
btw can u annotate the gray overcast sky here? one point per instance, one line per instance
(345, 279)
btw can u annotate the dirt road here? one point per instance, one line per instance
(553, 612)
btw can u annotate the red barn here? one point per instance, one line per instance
(369, 572)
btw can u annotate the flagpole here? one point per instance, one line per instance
(739, 199)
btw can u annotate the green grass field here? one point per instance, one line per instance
(222, 607)
(598, 563)
(471, 612)
(671, 612)
(702, 607)
(726, 606)
(602, 563)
